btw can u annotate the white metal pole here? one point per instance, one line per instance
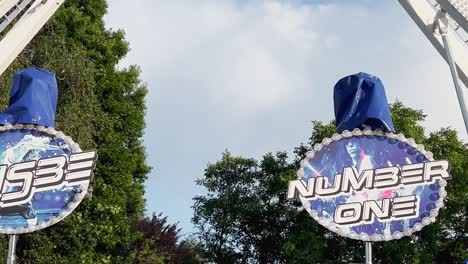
(423, 13)
(11, 259)
(453, 67)
(368, 252)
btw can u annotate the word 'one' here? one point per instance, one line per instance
(27, 178)
(388, 209)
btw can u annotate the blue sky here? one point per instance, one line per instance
(250, 76)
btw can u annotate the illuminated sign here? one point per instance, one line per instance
(370, 185)
(44, 175)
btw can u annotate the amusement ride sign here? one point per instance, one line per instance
(370, 185)
(43, 177)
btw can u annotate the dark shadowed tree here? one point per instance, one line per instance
(244, 217)
(163, 240)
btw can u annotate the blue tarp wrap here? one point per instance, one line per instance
(360, 102)
(33, 98)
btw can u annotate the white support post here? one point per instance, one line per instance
(442, 25)
(11, 257)
(368, 252)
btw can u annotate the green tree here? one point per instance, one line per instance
(241, 218)
(163, 241)
(101, 107)
(244, 217)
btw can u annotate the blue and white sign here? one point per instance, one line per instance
(370, 185)
(44, 175)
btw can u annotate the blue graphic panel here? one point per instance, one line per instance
(26, 145)
(365, 153)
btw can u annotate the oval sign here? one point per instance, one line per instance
(44, 175)
(371, 186)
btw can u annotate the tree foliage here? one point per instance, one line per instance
(160, 241)
(244, 217)
(102, 108)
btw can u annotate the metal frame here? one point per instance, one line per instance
(454, 13)
(10, 10)
(25, 28)
(424, 14)
(435, 25)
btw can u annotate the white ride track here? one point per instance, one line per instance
(24, 18)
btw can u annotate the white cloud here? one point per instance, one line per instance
(251, 75)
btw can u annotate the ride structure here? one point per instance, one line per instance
(20, 21)
(445, 24)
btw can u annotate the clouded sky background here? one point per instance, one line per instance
(250, 76)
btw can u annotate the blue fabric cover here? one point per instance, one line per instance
(33, 98)
(360, 102)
